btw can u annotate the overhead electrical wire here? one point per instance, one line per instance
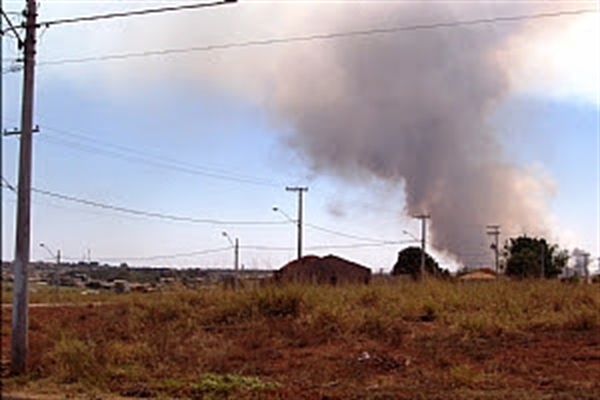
(7, 184)
(223, 249)
(11, 28)
(142, 213)
(133, 13)
(167, 256)
(350, 236)
(87, 210)
(209, 174)
(318, 37)
(149, 159)
(150, 214)
(324, 247)
(356, 245)
(375, 242)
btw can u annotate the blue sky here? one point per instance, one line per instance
(93, 116)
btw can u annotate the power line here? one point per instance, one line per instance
(124, 14)
(223, 249)
(8, 185)
(350, 236)
(11, 28)
(149, 159)
(96, 212)
(354, 246)
(331, 231)
(323, 247)
(150, 214)
(167, 256)
(266, 248)
(126, 149)
(316, 37)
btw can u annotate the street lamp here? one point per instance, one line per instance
(298, 223)
(279, 210)
(423, 218)
(56, 271)
(411, 235)
(236, 255)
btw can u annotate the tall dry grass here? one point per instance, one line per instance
(210, 342)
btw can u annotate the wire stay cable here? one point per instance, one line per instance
(10, 28)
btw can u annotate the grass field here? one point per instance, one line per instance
(492, 340)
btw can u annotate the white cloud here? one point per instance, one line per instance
(560, 60)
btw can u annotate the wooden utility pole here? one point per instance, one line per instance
(300, 191)
(494, 230)
(423, 218)
(23, 234)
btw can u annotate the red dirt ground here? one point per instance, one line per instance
(425, 362)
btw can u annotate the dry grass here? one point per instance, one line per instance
(352, 341)
(45, 294)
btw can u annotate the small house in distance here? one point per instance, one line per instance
(330, 270)
(483, 274)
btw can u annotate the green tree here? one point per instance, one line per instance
(533, 258)
(409, 263)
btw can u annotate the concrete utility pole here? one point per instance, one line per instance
(300, 191)
(236, 257)
(236, 260)
(56, 270)
(494, 230)
(586, 270)
(423, 218)
(1, 128)
(23, 232)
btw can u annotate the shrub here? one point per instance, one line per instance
(273, 303)
(72, 360)
(583, 321)
(213, 386)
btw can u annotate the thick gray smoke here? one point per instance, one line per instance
(414, 109)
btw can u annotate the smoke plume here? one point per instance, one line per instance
(412, 108)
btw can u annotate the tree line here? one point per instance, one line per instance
(523, 257)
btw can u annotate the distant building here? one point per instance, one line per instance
(121, 286)
(330, 270)
(483, 274)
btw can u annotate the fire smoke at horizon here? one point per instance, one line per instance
(411, 109)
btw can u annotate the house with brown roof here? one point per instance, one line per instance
(330, 270)
(484, 274)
